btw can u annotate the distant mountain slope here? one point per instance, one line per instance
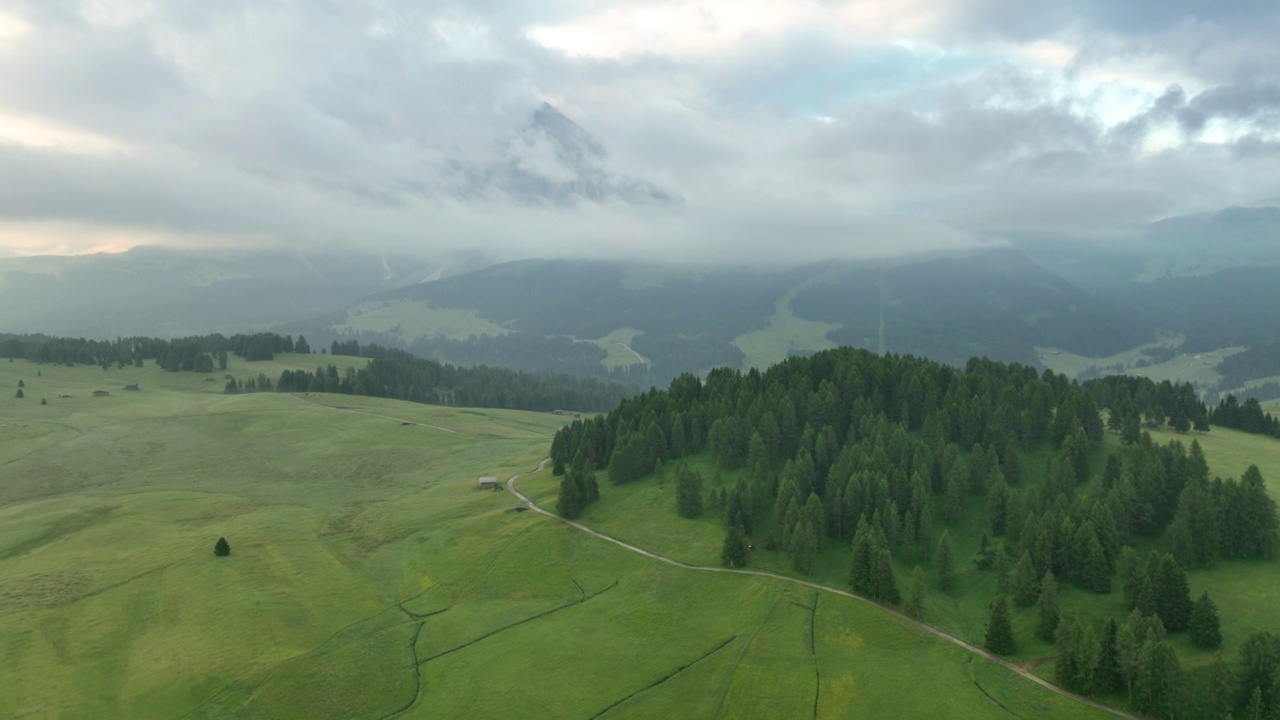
(152, 290)
(1237, 306)
(996, 303)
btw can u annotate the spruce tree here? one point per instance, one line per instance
(1047, 608)
(1203, 627)
(1171, 594)
(804, 546)
(222, 548)
(1107, 678)
(1024, 585)
(1259, 661)
(999, 637)
(944, 562)
(688, 493)
(19, 395)
(569, 502)
(886, 586)
(916, 595)
(1257, 710)
(1157, 679)
(734, 552)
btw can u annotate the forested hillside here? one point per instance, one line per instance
(881, 454)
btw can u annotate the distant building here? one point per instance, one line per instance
(577, 415)
(489, 483)
(100, 393)
(131, 386)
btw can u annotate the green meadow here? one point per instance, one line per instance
(412, 320)
(370, 578)
(1197, 368)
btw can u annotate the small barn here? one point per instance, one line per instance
(489, 483)
(131, 386)
(100, 393)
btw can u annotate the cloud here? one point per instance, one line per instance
(692, 129)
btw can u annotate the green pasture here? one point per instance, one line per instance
(1196, 368)
(412, 320)
(618, 345)
(785, 332)
(369, 576)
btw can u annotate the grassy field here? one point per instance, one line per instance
(368, 575)
(784, 333)
(1198, 368)
(618, 345)
(412, 320)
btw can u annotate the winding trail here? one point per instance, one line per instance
(1020, 670)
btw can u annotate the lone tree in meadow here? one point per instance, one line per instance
(19, 395)
(222, 548)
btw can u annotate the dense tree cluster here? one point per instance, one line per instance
(397, 374)
(1136, 402)
(196, 353)
(1247, 416)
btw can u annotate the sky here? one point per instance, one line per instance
(685, 130)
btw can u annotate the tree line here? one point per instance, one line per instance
(399, 375)
(197, 353)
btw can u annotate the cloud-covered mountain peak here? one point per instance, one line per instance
(555, 160)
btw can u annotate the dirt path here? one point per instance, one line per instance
(1024, 672)
(402, 421)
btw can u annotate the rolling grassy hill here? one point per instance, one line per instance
(369, 578)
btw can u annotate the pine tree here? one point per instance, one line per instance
(1107, 678)
(19, 394)
(1157, 678)
(734, 552)
(1219, 690)
(1171, 594)
(1096, 572)
(1257, 710)
(886, 586)
(222, 548)
(1259, 660)
(916, 595)
(944, 562)
(1047, 608)
(862, 561)
(1023, 583)
(688, 493)
(804, 546)
(999, 637)
(569, 502)
(1203, 627)
(1131, 575)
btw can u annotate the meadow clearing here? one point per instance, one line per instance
(370, 578)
